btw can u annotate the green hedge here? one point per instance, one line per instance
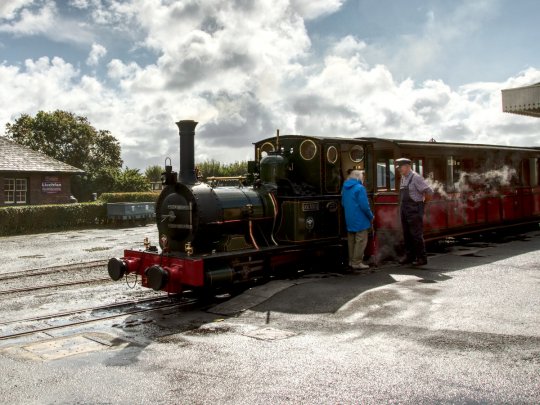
(150, 196)
(43, 218)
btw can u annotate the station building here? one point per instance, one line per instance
(30, 177)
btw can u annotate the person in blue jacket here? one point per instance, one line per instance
(358, 217)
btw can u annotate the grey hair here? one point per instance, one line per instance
(356, 174)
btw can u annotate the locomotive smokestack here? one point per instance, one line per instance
(187, 151)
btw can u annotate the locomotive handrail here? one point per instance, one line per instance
(214, 179)
(309, 197)
(226, 178)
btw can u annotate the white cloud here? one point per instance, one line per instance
(347, 98)
(32, 23)
(81, 4)
(310, 9)
(96, 53)
(9, 8)
(243, 72)
(47, 21)
(348, 46)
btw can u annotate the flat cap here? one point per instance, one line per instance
(403, 161)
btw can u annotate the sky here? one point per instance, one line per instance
(385, 68)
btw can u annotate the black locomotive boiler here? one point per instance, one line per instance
(287, 211)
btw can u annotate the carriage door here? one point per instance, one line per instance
(332, 178)
(385, 197)
(386, 172)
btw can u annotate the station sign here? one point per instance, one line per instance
(51, 185)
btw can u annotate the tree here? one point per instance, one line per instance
(71, 139)
(131, 180)
(115, 180)
(210, 168)
(153, 173)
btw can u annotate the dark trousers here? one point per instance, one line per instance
(412, 222)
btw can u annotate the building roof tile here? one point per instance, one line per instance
(19, 158)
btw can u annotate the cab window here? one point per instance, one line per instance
(386, 174)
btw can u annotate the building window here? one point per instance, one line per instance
(15, 191)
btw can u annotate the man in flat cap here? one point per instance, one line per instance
(413, 193)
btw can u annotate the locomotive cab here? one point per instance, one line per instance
(306, 174)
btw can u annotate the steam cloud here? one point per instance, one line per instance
(470, 184)
(465, 191)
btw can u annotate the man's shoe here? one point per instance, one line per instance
(405, 260)
(419, 262)
(360, 266)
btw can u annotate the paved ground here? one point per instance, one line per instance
(51, 249)
(464, 330)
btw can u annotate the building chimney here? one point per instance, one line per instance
(187, 151)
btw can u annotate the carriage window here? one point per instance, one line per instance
(435, 169)
(525, 172)
(356, 154)
(308, 149)
(332, 155)
(452, 172)
(265, 148)
(386, 174)
(381, 173)
(533, 165)
(392, 174)
(467, 165)
(418, 166)
(332, 180)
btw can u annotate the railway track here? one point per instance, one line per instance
(52, 270)
(35, 328)
(56, 285)
(88, 309)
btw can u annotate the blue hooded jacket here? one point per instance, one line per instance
(354, 199)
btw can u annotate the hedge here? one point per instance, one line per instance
(43, 218)
(150, 196)
(61, 217)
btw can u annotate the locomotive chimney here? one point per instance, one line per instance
(187, 151)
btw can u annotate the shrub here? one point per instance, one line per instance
(150, 196)
(43, 218)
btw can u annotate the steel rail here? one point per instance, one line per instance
(43, 287)
(32, 332)
(52, 269)
(88, 309)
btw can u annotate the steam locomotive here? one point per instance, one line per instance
(287, 211)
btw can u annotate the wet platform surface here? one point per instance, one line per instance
(463, 329)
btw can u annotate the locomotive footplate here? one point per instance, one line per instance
(176, 273)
